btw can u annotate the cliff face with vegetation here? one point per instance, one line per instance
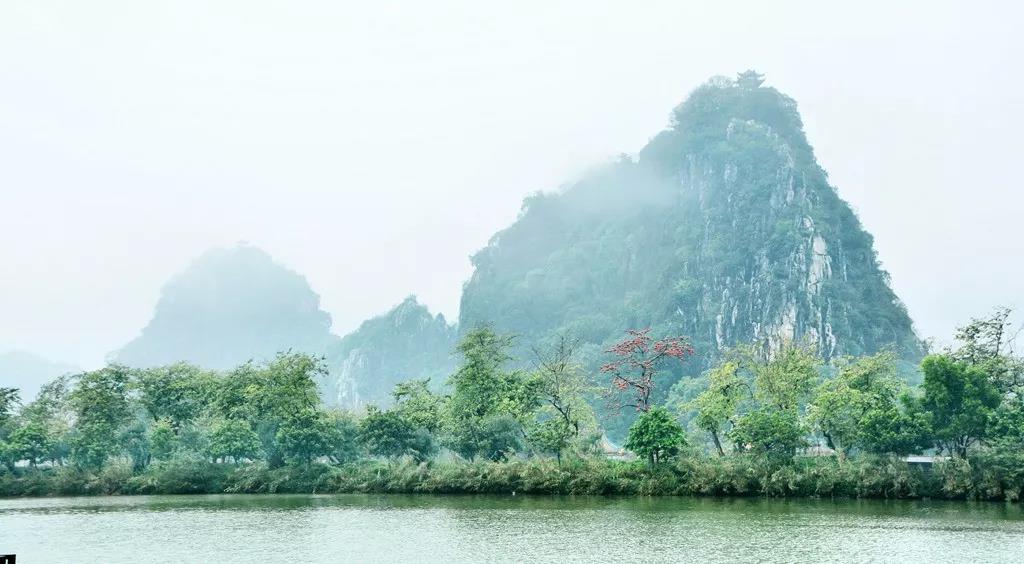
(406, 342)
(725, 228)
(230, 306)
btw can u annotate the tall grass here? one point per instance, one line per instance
(863, 477)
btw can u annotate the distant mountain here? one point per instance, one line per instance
(229, 306)
(28, 372)
(406, 342)
(725, 229)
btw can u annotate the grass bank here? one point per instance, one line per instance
(887, 478)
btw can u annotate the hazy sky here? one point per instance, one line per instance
(374, 146)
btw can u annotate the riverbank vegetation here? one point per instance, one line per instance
(761, 422)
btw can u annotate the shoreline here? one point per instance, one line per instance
(699, 477)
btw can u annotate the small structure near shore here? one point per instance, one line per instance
(922, 462)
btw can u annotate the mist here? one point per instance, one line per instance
(373, 149)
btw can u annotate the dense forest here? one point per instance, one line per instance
(761, 422)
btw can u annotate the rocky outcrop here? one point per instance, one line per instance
(406, 342)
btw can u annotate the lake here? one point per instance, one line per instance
(452, 529)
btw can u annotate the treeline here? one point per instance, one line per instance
(760, 422)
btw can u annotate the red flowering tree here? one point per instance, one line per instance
(639, 358)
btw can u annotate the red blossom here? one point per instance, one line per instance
(639, 359)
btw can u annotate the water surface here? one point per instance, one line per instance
(454, 529)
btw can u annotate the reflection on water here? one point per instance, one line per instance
(366, 528)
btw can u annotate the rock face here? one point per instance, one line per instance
(229, 306)
(406, 342)
(724, 229)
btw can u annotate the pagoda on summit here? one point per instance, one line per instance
(749, 79)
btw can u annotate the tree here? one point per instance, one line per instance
(344, 446)
(656, 436)
(306, 436)
(266, 396)
(415, 403)
(31, 442)
(960, 398)
(233, 438)
(9, 399)
(564, 413)
(100, 405)
(717, 406)
(639, 359)
(388, 434)
(987, 343)
(785, 379)
(769, 432)
(162, 439)
(52, 411)
(487, 401)
(177, 394)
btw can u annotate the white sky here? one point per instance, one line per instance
(374, 146)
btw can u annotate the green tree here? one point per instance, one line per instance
(99, 401)
(344, 445)
(564, 415)
(786, 379)
(9, 400)
(233, 438)
(960, 398)
(162, 439)
(135, 439)
(177, 394)
(388, 434)
(770, 432)
(986, 343)
(656, 436)
(415, 403)
(486, 398)
(307, 436)
(31, 442)
(52, 411)
(717, 406)
(267, 396)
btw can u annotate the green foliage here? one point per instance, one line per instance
(388, 434)
(785, 380)
(489, 406)
(99, 402)
(233, 438)
(769, 432)
(177, 394)
(959, 398)
(656, 436)
(718, 405)
(860, 408)
(307, 435)
(163, 442)
(31, 442)
(261, 428)
(417, 405)
(564, 420)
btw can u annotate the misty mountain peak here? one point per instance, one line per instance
(227, 306)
